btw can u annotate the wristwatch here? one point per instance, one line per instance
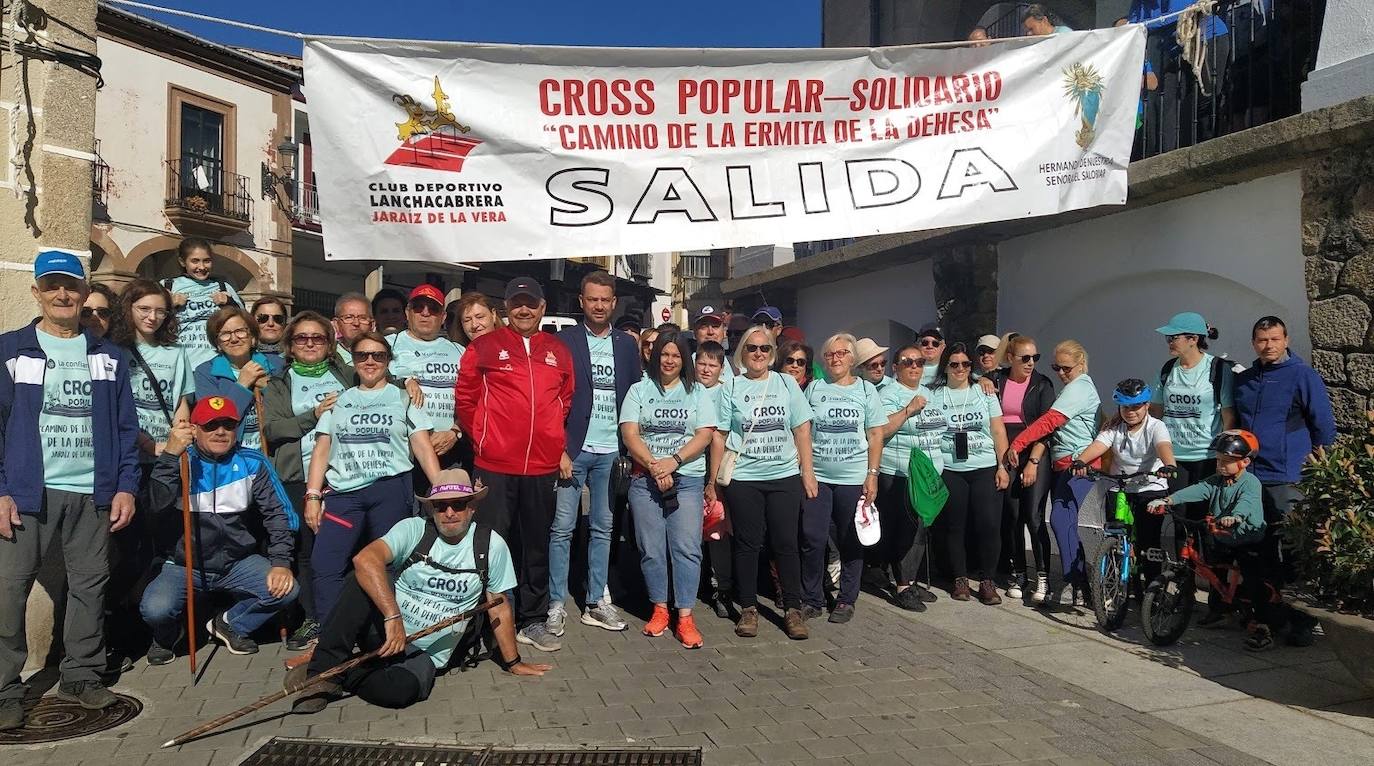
(873, 472)
(1033, 460)
(677, 458)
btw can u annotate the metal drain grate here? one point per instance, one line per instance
(306, 752)
(53, 720)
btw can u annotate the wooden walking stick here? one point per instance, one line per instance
(261, 410)
(333, 672)
(190, 576)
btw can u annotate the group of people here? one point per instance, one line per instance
(366, 475)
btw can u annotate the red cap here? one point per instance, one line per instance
(428, 291)
(213, 408)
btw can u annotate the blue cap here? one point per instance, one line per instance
(51, 262)
(768, 312)
(1186, 323)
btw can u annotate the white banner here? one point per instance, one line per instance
(469, 153)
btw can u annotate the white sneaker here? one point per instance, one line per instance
(1014, 589)
(1042, 589)
(558, 615)
(604, 615)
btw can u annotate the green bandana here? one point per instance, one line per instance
(311, 370)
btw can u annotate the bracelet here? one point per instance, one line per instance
(873, 472)
(508, 664)
(678, 459)
(396, 616)
(1033, 460)
(314, 494)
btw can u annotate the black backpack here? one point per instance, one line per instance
(1218, 364)
(474, 645)
(167, 285)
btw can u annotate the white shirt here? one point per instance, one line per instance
(1131, 451)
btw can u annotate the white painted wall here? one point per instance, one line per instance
(869, 305)
(1345, 57)
(1233, 255)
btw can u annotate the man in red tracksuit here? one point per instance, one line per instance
(512, 397)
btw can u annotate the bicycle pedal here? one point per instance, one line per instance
(1155, 555)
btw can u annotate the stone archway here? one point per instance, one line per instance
(155, 258)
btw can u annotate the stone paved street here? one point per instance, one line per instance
(889, 688)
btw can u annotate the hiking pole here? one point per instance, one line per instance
(185, 464)
(333, 672)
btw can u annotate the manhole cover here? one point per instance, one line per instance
(53, 719)
(305, 752)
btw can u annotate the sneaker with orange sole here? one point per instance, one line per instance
(658, 623)
(687, 633)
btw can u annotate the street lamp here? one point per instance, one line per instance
(286, 162)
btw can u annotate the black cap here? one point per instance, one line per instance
(629, 320)
(931, 331)
(524, 286)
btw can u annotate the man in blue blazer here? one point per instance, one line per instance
(605, 365)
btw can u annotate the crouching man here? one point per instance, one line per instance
(228, 483)
(439, 566)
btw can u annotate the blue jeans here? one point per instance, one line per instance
(1066, 496)
(594, 471)
(164, 601)
(665, 536)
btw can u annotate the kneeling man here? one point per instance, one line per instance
(439, 566)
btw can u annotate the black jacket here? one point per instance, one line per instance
(1038, 400)
(628, 371)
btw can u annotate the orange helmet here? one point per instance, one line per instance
(1236, 442)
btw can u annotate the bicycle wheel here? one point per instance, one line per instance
(1168, 606)
(1109, 573)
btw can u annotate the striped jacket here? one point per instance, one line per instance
(113, 419)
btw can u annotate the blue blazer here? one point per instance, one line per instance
(628, 372)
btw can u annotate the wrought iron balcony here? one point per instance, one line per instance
(208, 201)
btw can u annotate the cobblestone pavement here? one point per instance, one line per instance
(884, 689)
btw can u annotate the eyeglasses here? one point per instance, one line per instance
(907, 361)
(985, 351)
(424, 308)
(314, 339)
(1062, 367)
(959, 365)
(146, 311)
(1172, 338)
(377, 356)
(354, 318)
(876, 364)
(931, 343)
(271, 318)
(222, 424)
(1029, 358)
(799, 361)
(646, 344)
(837, 354)
(758, 348)
(88, 312)
(240, 334)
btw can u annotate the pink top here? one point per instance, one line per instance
(1013, 394)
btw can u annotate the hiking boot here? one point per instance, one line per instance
(604, 615)
(1261, 639)
(235, 643)
(557, 619)
(910, 600)
(158, 655)
(1018, 583)
(536, 634)
(304, 637)
(795, 625)
(316, 698)
(658, 623)
(1042, 588)
(91, 695)
(960, 591)
(987, 593)
(843, 613)
(687, 633)
(811, 612)
(721, 606)
(11, 714)
(748, 624)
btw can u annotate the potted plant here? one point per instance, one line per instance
(1330, 535)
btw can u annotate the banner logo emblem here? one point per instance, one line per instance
(433, 139)
(1084, 85)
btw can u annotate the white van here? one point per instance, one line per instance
(554, 323)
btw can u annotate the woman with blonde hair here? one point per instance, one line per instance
(1073, 422)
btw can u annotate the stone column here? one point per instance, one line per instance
(966, 291)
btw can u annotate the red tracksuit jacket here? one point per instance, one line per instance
(513, 404)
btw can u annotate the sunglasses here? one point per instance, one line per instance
(1172, 338)
(928, 343)
(377, 356)
(985, 351)
(907, 361)
(758, 348)
(770, 324)
(799, 361)
(87, 313)
(1062, 368)
(222, 424)
(309, 340)
(426, 308)
(271, 318)
(646, 344)
(1028, 358)
(457, 506)
(876, 364)
(959, 365)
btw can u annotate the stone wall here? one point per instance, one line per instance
(1338, 252)
(965, 281)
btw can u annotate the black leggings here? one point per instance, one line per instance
(972, 520)
(904, 534)
(1149, 530)
(1023, 507)
(305, 548)
(772, 508)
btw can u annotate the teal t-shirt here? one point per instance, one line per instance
(306, 392)
(839, 429)
(761, 415)
(434, 365)
(603, 428)
(369, 436)
(427, 594)
(172, 374)
(922, 431)
(64, 424)
(1078, 402)
(1191, 412)
(191, 318)
(969, 411)
(669, 419)
(928, 373)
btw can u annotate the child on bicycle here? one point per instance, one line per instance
(1233, 499)
(1136, 441)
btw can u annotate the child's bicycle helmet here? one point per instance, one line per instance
(1236, 442)
(1131, 391)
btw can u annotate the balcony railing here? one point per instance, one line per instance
(100, 186)
(211, 199)
(308, 209)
